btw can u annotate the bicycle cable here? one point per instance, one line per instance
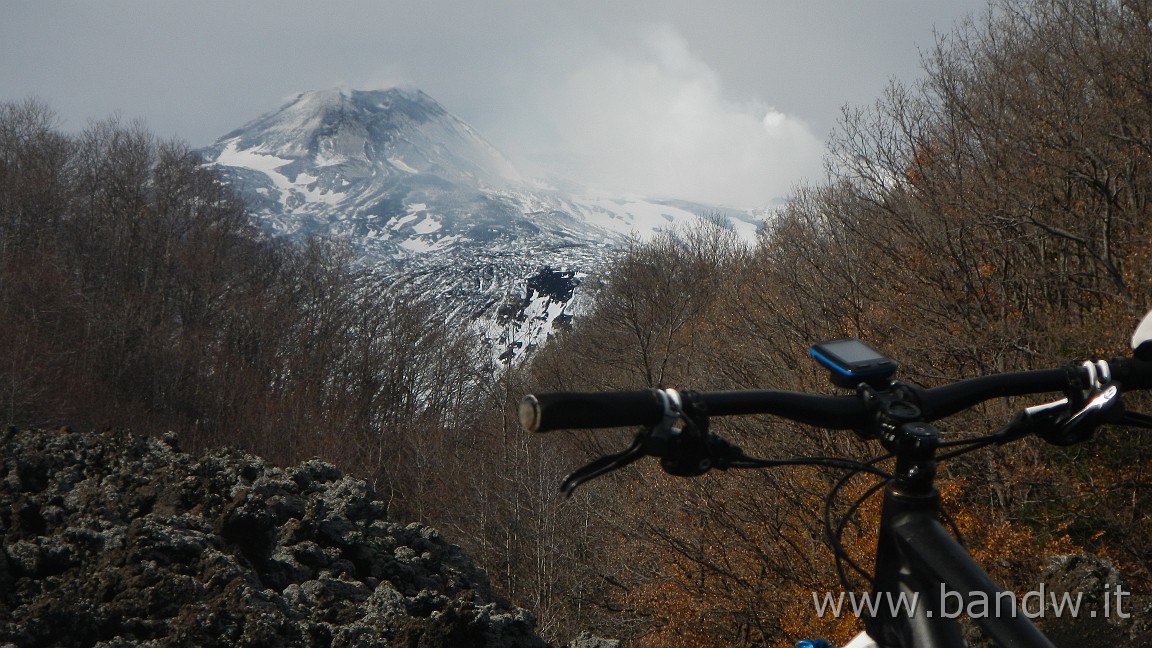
(834, 533)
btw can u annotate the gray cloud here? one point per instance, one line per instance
(656, 121)
(727, 100)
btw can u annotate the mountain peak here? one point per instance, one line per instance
(408, 101)
(359, 133)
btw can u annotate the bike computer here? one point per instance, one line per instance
(853, 362)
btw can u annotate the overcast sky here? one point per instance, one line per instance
(725, 101)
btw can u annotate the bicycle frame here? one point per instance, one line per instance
(918, 559)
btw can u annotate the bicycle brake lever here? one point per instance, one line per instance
(1079, 426)
(640, 447)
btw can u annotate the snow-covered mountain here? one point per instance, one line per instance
(419, 192)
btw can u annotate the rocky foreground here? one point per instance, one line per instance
(120, 540)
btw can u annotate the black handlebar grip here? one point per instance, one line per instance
(1132, 373)
(560, 410)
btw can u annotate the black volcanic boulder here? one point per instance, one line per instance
(115, 539)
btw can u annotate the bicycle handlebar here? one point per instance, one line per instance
(899, 416)
(563, 410)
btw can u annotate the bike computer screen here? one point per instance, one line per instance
(853, 360)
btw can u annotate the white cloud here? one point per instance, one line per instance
(656, 121)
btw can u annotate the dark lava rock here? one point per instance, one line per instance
(120, 540)
(1080, 601)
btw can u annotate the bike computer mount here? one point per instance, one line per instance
(851, 362)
